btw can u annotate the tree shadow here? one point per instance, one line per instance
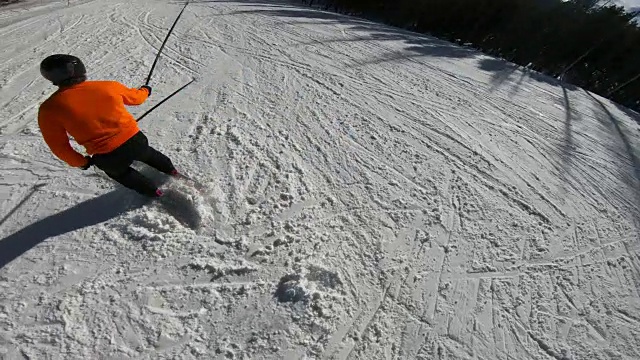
(273, 3)
(298, 12)
(413, 52)
(567, 148)
(629, 112)
(369, 37)
(8, 2)
(417, 45)
(503, 70)
(606, 117)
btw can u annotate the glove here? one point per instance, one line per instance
(146, 87)
(89, 163)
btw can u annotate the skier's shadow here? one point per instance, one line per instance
(88, 213)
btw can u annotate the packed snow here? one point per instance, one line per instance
(361, 192)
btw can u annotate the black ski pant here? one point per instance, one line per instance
(117, 164)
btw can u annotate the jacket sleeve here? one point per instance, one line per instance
(56, 138)
(132, 96)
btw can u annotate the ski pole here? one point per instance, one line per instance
(165, 99)
(164, 42)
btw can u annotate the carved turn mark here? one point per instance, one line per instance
(451, 223)
(545, 347)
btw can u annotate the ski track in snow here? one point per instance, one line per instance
(368, 193)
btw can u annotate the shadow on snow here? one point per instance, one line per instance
(93, 212)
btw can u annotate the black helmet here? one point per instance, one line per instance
(63, 70)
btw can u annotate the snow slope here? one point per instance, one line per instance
(368, 194)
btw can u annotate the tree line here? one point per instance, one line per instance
(588, 43)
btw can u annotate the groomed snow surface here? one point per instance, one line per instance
(367, 193)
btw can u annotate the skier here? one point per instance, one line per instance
(94, 114)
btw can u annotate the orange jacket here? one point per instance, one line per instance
(94, 114)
